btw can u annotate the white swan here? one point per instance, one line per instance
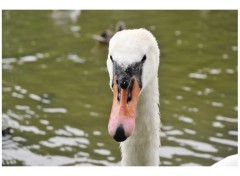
(132, 63)
(231, 160)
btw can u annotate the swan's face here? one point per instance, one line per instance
(132, 62)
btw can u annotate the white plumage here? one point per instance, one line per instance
(127, 47)
(228, 161)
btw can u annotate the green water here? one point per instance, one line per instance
(56, 96)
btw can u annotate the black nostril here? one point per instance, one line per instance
(129, 96)
(118, 97)
(124, 84)
(120, 134)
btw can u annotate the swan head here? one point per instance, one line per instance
(132, 63)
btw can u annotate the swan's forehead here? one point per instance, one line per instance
(129, 46)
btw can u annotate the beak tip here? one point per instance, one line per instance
(120, 134)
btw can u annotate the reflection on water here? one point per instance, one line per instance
(56, 96)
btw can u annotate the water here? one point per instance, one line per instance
(56, 96)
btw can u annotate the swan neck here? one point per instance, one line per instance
(142, 147)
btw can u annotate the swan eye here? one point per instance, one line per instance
(144, 58)
(111, 58)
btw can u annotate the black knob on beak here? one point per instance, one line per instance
(124, 84)
(120, 134)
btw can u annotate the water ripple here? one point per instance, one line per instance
(170, 152)
(185, 119)
(224, 141)
(200, 146)
(75, 131)
(102, 152)
(59, 141)
(227, 119)
(55, 110)
(75, 58)
(27, 59)
(30, 158)
(197, 75)
(33, 129)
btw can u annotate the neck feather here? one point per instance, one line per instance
(142, 147)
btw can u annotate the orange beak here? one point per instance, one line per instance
(123, 115)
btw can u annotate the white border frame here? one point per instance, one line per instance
(118, 5)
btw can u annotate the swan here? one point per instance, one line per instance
(132, 63)
(231, 160)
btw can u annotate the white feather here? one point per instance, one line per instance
(127, 47)
(228, 161)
